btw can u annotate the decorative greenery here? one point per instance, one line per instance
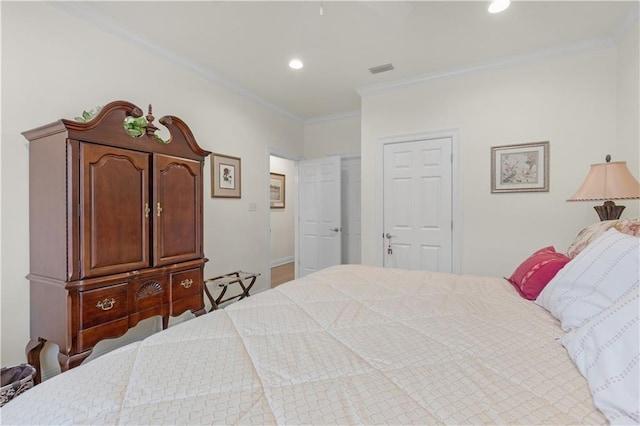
(135, 126)
(88, 115)
(159, 139)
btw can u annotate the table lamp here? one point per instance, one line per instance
(606, 182)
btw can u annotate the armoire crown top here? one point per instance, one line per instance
(124, 124)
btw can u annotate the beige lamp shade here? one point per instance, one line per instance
(608, 181)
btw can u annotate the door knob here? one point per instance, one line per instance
(388, 236)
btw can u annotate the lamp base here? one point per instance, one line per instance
(609, 211)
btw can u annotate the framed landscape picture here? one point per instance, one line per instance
(520, 168)
(225, 176)
(276, 190)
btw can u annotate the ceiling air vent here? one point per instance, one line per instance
(381, 68)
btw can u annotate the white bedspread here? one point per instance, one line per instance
(347, 345)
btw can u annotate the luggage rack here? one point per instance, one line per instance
(224, 281)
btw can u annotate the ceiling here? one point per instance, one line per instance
(246, 46)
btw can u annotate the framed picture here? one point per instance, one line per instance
(520, 168)
(225, 176)
(276, 190)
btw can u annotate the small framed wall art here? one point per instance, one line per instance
(277, 183)
(520, 168)
(225, 176)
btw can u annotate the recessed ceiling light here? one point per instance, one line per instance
(295, 64)
(498, 6)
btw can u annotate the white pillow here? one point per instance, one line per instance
(592, 281)
(606, 351)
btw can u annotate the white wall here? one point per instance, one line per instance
(340, 136)
(282, 239)
(628, 136)
(570, 101)
(54, 65)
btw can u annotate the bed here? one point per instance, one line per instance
(357, 344)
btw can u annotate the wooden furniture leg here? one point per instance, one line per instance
(165, 322)
(66, 362)
(34, 347)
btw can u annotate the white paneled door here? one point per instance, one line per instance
(320, 210)
(417, 205)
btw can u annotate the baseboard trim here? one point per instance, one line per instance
(281, 261)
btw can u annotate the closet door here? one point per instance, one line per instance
(177, 209)
(114, 219)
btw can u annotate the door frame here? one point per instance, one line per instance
(345, 158)
(295, 158)
(456, 179)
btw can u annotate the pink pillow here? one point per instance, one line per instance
(536, 271)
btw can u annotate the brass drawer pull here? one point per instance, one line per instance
(147, 210)
(106, 304)
(186, 283)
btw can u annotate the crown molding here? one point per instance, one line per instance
(527, 58)
(332, 117)
(87, 13)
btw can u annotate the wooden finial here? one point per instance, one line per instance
(150, 128)
(150, 116)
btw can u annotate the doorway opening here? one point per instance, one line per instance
(286, 250)
(282, 219)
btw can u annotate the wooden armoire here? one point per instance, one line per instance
(116, 229)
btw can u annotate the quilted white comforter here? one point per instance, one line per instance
(347, 345)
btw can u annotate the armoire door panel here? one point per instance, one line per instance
(177, 210)
(115, 210)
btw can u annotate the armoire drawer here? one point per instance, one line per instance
(103, 305)
(88, 338)
(148, 293)
(186, 284)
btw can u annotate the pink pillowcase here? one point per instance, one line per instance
(536, 271)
